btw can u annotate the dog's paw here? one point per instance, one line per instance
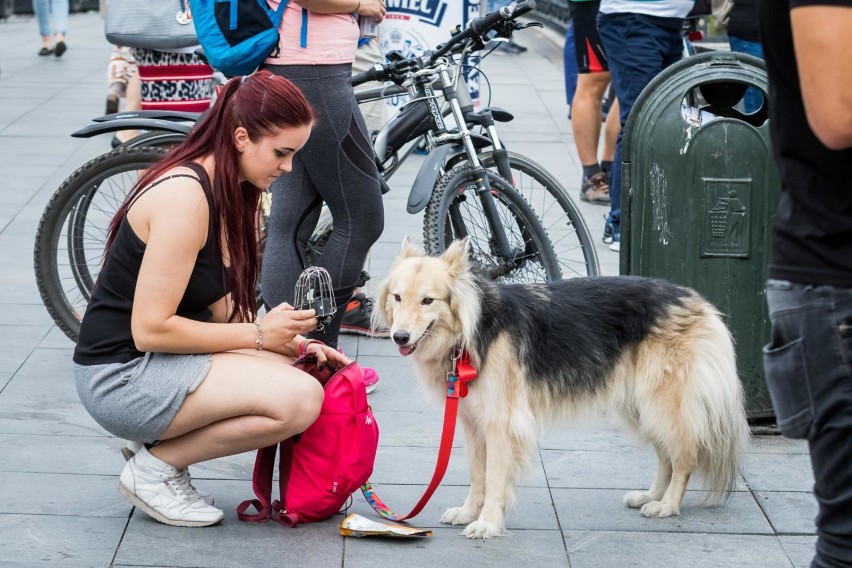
(658, 509)
(636, 499)
(458, 516)
(482, 529)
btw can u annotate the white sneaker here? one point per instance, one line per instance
(164, 493)
(132, 448)
(616, 246)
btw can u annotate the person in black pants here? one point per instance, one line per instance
(808, 49)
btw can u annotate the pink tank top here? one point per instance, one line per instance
(332, 38)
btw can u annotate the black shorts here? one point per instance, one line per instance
(587, 43)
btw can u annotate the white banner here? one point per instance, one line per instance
(414, 26)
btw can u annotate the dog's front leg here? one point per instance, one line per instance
(500, 475)
(476, 462)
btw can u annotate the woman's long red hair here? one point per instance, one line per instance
(261, 103)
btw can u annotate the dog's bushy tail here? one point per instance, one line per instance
(724, 436)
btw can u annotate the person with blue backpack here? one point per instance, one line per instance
(317, 45)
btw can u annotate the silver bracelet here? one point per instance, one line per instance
(259, 342)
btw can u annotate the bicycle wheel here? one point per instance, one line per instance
(565, 225)
(454, 211)
(72, 233)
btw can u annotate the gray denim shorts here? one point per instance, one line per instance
(138, 400)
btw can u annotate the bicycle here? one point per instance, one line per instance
(69, 243)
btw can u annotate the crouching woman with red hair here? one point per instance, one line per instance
(171, 349)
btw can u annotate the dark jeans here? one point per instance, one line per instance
(808, 371)
(637, 49)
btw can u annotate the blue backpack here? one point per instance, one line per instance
(238, 35)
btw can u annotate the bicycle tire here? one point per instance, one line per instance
(72, 231)
(445, 220)
(565, 225)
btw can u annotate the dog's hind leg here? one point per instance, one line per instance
(658, 487)
(469, 511)
(682, 468)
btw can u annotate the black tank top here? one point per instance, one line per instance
(105, 335)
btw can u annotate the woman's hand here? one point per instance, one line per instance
(374, 8)
(326, 354)
(283, 323)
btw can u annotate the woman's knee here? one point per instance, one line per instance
(297, 405)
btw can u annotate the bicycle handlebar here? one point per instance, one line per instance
(476, 29)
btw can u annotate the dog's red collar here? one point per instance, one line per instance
(463, 372)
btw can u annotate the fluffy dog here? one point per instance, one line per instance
(656, 352)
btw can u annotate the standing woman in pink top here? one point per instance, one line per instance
(317, 47)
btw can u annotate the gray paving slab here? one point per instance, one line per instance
(542, 549)
(789, 513)
(26, 314)
(71, 454)
(778, 445)
(602, 435)
(603, 510)
(779, 472)
(232, 543)
(60, 495)
(18, 343)
(799, 549)
(652, 550)
(45, 540)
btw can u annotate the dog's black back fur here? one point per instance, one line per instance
(571, 333)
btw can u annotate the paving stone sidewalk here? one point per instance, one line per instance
(58, 469)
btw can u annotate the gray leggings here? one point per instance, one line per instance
(335, 166)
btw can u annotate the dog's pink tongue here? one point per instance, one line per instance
(406, 350)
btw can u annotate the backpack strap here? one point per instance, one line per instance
(303, 37)
(276, 16)
(285, 463)
(264, 464)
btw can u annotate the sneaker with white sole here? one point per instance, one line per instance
(164, 493)
(132, 448)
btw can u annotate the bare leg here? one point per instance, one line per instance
(586, 115)
(132, 101)
(247, 401)
(611, 128)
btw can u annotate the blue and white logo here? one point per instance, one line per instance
(426, 11)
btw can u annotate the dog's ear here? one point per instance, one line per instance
(457, 254)
(409, 250)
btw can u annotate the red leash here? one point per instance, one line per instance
(462, 373)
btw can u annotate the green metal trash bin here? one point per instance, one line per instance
(699, 190)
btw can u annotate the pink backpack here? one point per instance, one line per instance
(325, 464)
